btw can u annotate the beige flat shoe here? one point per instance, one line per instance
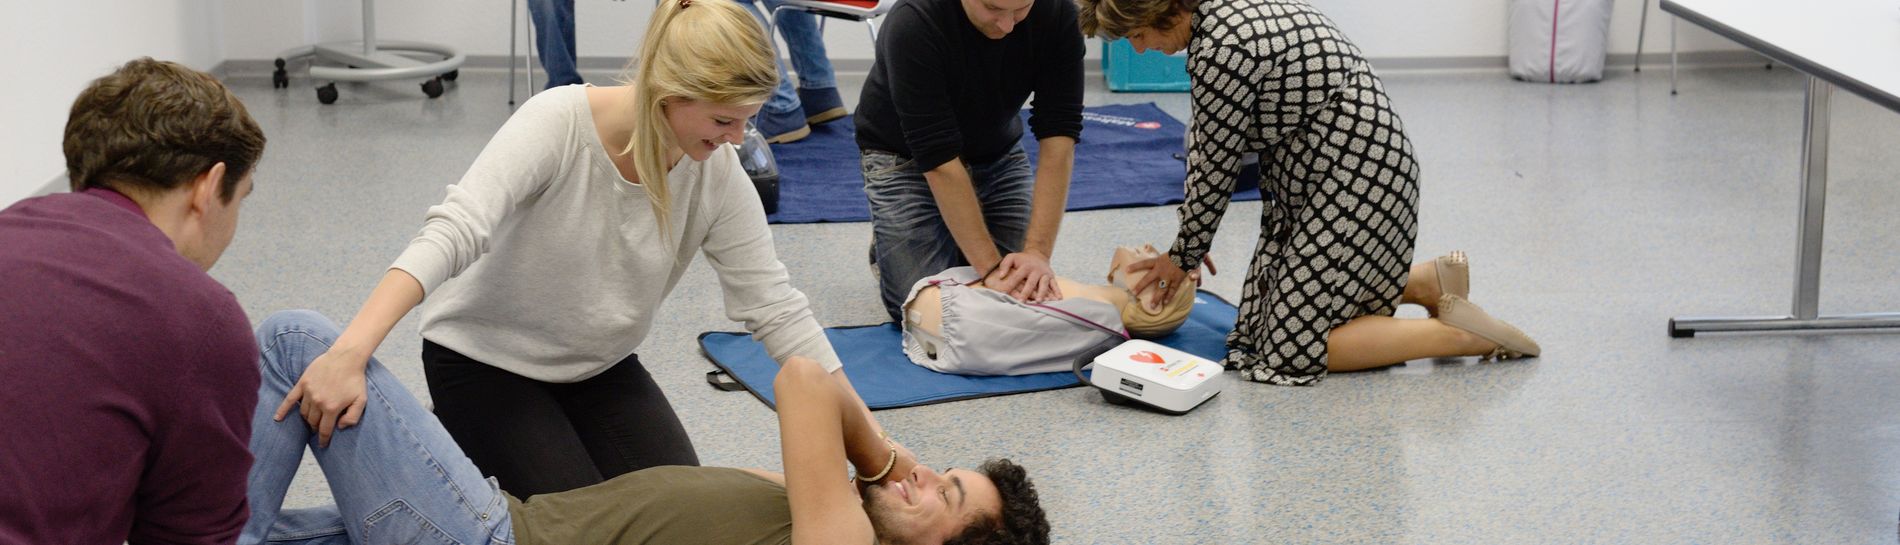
(1454, 274)
(1457, 312)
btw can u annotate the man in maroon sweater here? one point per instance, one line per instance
(128, 376)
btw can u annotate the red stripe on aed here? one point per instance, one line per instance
(1556, 8)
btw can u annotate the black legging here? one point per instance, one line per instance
(540, 437)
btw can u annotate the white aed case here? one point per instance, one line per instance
(1155, 375)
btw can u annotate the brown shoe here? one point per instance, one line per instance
(821, 105)
(1457, 312)
(788, 137)
(827, 116)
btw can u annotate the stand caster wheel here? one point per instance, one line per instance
(452, 75)
(433, 87)
(280, 79)
(327, 93)
(1676, 333)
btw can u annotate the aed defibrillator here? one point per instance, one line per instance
(1146, 374)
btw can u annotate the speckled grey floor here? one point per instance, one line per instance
(1592, 213)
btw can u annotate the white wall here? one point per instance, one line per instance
(259, 29)
(54, 49)
(1476, 28)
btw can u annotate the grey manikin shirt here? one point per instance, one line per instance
(987, 332)
(559, 265)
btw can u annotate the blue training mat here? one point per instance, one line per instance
(1126, 158)
(874, 360)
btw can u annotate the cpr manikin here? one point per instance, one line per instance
(954, 324)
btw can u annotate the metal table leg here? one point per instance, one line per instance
(1807, 278)
(1672, 59)
(513, 11)
(1642, 31)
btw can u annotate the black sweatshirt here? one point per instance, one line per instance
(940, 90)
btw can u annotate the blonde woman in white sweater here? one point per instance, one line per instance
(545, 264)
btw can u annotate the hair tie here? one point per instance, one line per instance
(686, 4)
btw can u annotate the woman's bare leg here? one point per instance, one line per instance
(1421, 287)
(1367, 342)
(1425, 283)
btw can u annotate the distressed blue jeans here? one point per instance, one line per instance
(396, 476)
(909, 239)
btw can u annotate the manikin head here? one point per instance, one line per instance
(175, 141)
(995, 504)
(1142, 321)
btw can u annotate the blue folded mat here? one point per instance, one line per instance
(1126, 158)
(874, 360)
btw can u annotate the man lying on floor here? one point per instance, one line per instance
(397, 477)
(955, 324)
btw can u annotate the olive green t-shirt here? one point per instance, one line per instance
(668, 505)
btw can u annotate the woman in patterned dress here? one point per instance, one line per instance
(1275, 77)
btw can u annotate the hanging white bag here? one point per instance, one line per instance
(1559, 41)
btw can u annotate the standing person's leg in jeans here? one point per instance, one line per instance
(817, 85)
(787, 116)
(540, 437)
(554, 40)
(396, 476)
(909, 239)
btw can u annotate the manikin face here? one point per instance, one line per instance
(996, 18)
(929, 507)
(1128, 255)
(699, 127)
(1169, 40)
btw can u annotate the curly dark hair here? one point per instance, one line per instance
(1022, 521)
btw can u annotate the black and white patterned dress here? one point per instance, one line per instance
(1276, 77)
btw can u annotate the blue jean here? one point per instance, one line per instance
(396, 476)
(554, 40)
(807, 46)
(909, 239)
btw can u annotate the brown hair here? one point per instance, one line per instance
(152, 126)
(1116, 19)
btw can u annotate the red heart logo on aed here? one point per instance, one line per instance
(1146, 357)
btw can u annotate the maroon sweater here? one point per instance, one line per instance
(127, 381)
